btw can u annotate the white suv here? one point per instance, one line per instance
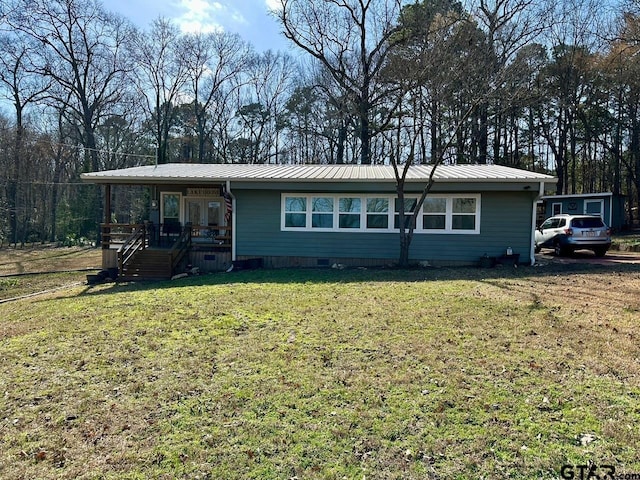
(567, 233)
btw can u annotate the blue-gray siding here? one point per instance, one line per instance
(613, 215)
(505, 222)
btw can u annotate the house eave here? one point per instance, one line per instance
(201, 174)
(577, 195)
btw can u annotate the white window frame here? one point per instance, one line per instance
(447, 216)
(366, 213)
(311, 202)
(598, 201)
(391, 199)
(283, 213)
(553, 208)
(352, 214)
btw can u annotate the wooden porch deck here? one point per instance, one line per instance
(144, 251)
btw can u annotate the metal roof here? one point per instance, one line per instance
(207, 173)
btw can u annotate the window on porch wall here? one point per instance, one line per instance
(170, 205)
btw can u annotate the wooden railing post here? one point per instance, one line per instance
(106, 231)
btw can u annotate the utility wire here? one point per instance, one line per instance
(97, 150)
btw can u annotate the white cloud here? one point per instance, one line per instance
(201, 16)
(273, 4)
(238, 17)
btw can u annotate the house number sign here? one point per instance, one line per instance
(203, 192)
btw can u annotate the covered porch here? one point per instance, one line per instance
(185, 227)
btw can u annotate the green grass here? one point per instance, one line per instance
(626, 241)
(322, 374)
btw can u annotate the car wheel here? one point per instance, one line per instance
(537, 248)
(600, 252)
(559, 250)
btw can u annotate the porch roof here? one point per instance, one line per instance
(206, 173)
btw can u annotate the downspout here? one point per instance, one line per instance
(610, 212)
(534, 214)
(233, 221)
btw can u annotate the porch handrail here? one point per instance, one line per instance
(118, 233)
(180, 247)
(218, 236)
(136, 242)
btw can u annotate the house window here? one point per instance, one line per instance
(440, 213)
(170, 204)
(409, 206)
(295, 209)
(556, 209)
(464, 214)
(321, 212)
(434, 213)
(349, 211)
(594, 207)
(378, 213)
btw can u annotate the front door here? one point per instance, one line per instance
(204, 214)
(194, 212)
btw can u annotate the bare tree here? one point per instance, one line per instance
(623, 68)
(216, 66)
(443, 60)
(508, 25)
(351, 38)
(272, 76)
(575, 40)
(162, 74)
(19, 58)
(86, 58)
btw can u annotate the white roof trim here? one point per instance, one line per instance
(577, 195)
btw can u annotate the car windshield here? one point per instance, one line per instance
(587, 222)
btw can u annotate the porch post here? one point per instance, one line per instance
(233, 221)
(107, 216)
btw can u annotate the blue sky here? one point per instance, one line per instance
(248, 18)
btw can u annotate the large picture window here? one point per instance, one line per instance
(448, 214)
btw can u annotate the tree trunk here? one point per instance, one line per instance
(342, 138)
(435, 149)
(16, 175)
(365, 141)
(483, 135)
(405, 235)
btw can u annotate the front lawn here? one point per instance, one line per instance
(325, 374)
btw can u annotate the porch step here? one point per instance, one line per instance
(148, 264)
